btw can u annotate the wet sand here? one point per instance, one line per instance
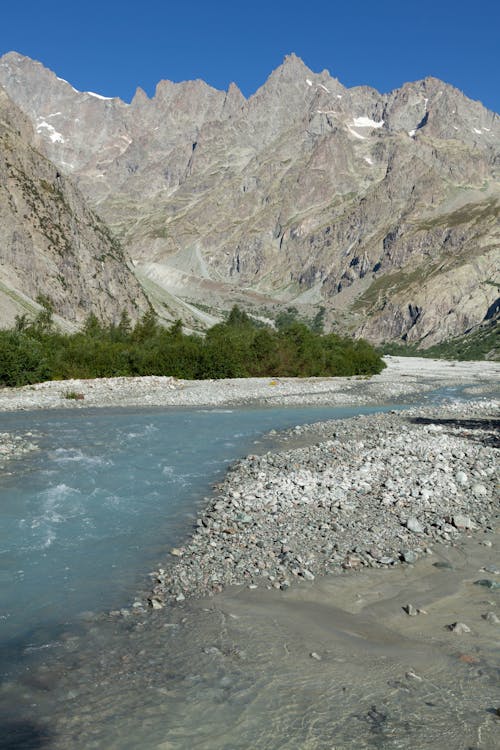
(335, 663)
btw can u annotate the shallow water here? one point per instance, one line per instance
(88, 515)
(235, 672)
(82, 523)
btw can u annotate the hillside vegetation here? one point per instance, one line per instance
(483, 343)
(34, 351)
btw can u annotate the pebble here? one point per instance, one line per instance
(462, 522)
(491, 617)
(409, 556)
(459, 628)
(488, 583)
(410, 610)
(461, 478)
(479, 490)
(413, 524)
(156, 603)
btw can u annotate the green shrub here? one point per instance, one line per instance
(237, 348)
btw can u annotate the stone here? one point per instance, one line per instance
(462, 522)
(461, 478)
(155, 603)
(414, 525)
(492, 569)
(410, 610)
(491, 617)
(479, 490)
(488, 583)
(460, 628)
(409, 556)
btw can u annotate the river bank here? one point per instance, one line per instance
(371, 491)
(403, 377)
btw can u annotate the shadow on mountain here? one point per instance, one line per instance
(23, 734)
(484, 431)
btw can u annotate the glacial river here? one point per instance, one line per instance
(82, 521)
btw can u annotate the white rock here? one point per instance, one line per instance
(413, 524)
(459, 628)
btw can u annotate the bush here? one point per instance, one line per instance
(238, 348)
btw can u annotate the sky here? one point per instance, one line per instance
(112, 47)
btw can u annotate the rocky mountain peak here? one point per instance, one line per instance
(383, 208)
(53, 244)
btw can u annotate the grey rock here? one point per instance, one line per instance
(460, 628)
(156, 603)
(488, 584)
(410, 610)
(409, 556)
(462, 522)
(491, 617)
(414, 525)
(479, 490)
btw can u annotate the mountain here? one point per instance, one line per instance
(381, 208)
(52, 244)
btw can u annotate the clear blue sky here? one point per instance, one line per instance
(112, 46)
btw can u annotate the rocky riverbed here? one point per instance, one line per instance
(403, 377)
(372, 491)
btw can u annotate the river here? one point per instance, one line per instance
(82, 522)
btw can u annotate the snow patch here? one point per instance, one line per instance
(365, 122)
(309, 83)
(52, 133)
(487, 130)
(320, 86)
(368, 160)
(356, 135)
(98, 96)
(412, 133)
(63, 80)
(339, 96)
(479, 132)
(325, 111)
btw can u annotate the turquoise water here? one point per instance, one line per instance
(88, 515)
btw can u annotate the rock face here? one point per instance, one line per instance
(52, 244)
(383, 208)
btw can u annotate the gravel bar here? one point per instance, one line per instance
(403, 376)
(372, 491)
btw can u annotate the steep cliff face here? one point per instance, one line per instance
(52, 243)
(381, 208)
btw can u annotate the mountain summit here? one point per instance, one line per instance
(382, 208)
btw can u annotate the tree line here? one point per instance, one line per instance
(34, 350)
